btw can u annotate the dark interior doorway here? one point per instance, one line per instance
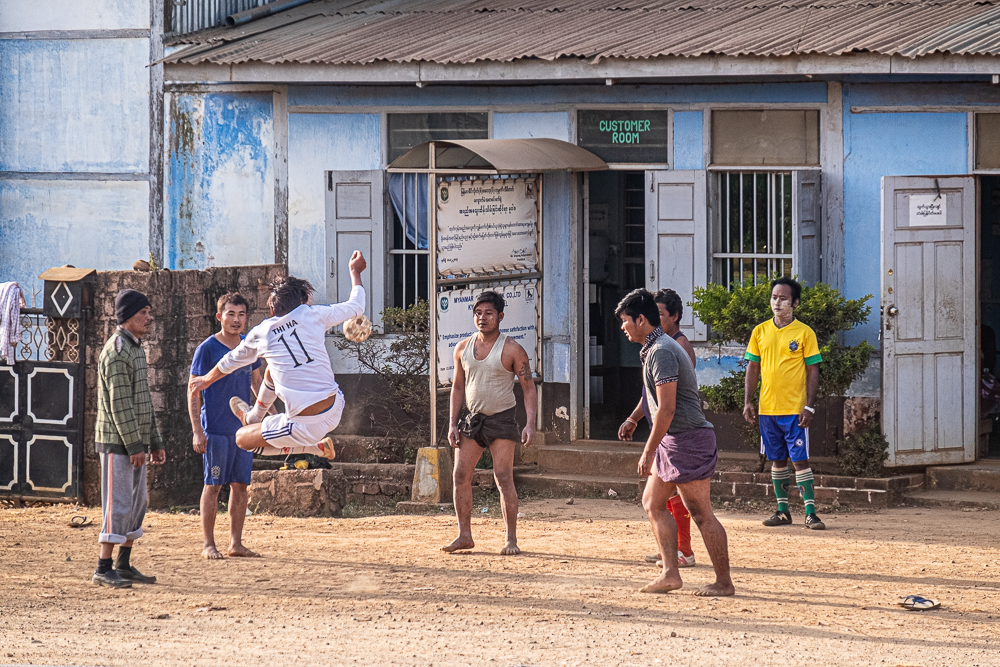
(989, 293)
(617, 259)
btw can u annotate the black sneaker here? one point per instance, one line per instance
(132, 574)
(779, 518)
(813, 522)
(110, 578)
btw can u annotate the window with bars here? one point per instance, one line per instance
(753, 239)
(409, 256)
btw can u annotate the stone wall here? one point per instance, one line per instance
(183, 304)
(367, 483)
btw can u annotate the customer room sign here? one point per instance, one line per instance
(624, 136)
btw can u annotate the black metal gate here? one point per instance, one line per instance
(41, 400)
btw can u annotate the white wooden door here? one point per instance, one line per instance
(354, 221)
(677, 238)
(929, 314)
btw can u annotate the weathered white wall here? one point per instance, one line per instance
(74, 105)
(33, 15)
(86, 224)
(538, 125)
(74, 136)
(318, 143)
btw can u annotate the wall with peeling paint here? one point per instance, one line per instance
(74, 136)
(318, 143)
(219, 180)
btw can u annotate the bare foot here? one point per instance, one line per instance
(211, 553)
(716, 590)
(510, 549)
(460, 544)
(662, 585)
(241, 551)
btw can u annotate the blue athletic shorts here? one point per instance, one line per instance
(226, 463)
(782, 438)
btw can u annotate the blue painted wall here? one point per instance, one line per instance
(43, 223)
(219, 181)
(887, 144)
(542, 125)
(689, 135)
(74, 114)
(318, 143)
(74, 105)
(506, 96)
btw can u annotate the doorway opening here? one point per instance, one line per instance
(617, 261)
(989, 305)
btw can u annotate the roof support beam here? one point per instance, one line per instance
(574, 69)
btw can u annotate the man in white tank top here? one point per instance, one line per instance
(485, 367)
(293, 341)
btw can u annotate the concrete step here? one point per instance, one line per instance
(556, 484)
(591, 458)
(980, 476)
(972, 500)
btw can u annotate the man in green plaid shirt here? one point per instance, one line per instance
(126, 434)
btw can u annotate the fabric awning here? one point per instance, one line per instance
(505, 156)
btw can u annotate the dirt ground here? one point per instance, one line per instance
(376, 591)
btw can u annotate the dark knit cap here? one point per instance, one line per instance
(128, 302)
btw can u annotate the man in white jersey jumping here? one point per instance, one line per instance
(293, 341)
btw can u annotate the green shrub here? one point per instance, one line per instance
(732, 316)
(403, 365)
(863, 454)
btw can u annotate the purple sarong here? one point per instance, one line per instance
(687, 457)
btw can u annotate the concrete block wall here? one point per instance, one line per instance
(848, 491)
(183, 304)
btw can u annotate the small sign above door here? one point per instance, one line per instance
(624, 136)
(928, 210)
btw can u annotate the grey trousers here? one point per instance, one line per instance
(123, 499)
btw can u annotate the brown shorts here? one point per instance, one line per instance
(484, 429)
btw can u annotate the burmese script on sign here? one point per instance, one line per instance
(487, 226)
(928, 210)
(455, 322)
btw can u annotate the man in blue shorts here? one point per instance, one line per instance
(784, 354)
(214, 426)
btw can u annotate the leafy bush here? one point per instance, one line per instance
(863, 454)
(403, 365)
(732, 315)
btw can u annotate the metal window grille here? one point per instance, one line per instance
(754, 235)
(410, 281)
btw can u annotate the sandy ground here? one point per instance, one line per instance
(376, 591)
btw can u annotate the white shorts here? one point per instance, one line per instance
(280, 430)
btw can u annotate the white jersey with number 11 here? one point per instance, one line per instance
(295, 348)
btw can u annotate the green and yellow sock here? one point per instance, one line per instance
(780, 478)
(804, 480)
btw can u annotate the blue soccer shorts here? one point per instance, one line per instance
(225, 463)
(782, 438)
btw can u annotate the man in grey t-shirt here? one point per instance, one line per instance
(680, 449)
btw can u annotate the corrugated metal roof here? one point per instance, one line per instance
(465, 31)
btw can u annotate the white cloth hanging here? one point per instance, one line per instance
(10, 320)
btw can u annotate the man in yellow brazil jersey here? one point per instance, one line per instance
(783, 355)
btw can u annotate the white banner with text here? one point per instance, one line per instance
(455, 322)
(487, 225)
